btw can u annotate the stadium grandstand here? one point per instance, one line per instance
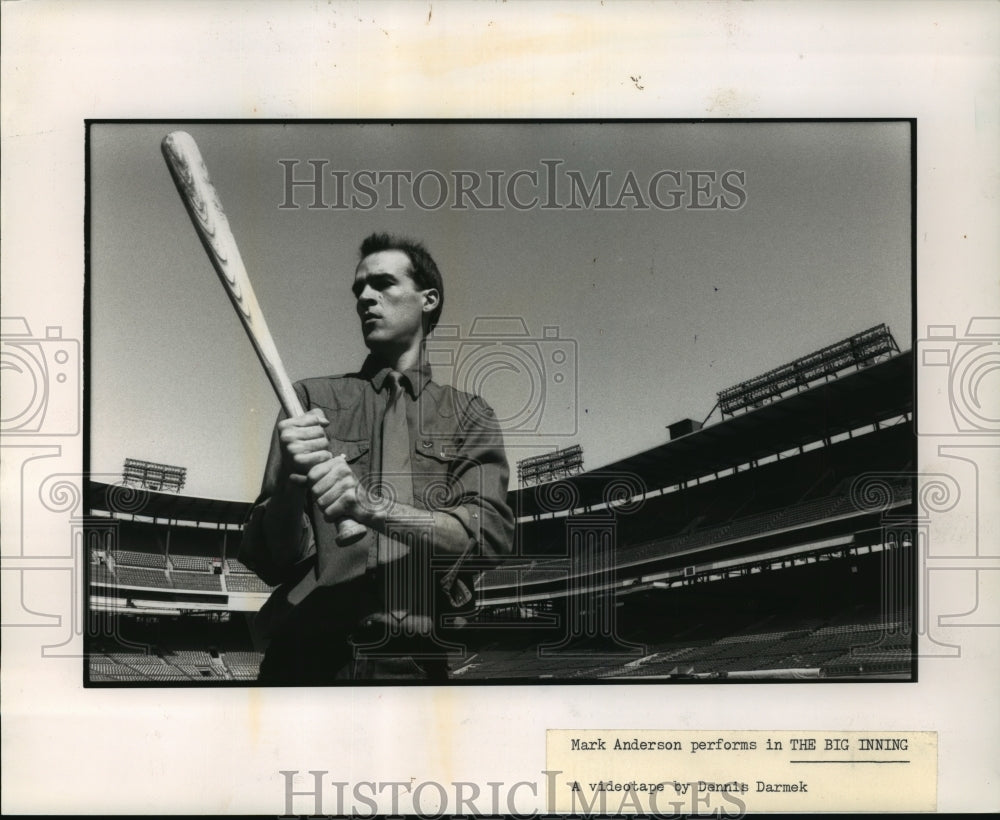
(775, 543)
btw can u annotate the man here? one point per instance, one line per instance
(422, 466)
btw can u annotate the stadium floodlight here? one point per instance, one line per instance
(152, 476)
(856, 352)
(550, 466)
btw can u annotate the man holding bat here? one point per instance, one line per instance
(420, 465)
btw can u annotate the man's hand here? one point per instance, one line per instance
(303, 444)
(336, 491)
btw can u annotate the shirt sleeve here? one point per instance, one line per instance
(273, 563)
(480, 472)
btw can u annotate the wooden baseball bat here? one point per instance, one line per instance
(202, 202)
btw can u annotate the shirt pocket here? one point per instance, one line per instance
(440, 450)
(435, 486)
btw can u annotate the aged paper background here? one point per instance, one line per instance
(66, 749)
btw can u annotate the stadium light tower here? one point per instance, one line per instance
(856, 352)
(152, 476)
(550, 466)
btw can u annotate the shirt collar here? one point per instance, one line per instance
(415, 379)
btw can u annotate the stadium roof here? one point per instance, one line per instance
(133, 501)
(876, 393)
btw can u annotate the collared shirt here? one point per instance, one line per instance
(459, 468)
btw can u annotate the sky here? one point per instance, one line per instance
(590, 325)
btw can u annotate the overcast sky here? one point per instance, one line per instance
(649, 311)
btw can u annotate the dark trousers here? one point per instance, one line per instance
(326, 641)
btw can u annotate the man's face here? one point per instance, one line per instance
(389, 304)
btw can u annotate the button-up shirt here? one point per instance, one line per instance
(459, 468)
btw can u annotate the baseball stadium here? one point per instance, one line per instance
(772, 541)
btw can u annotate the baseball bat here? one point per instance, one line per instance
(205, 208)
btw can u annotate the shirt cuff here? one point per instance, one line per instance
(256, 554)
(456, 589)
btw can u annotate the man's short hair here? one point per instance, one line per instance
(423, 269)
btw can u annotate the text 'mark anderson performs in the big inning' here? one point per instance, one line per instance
(421, 465)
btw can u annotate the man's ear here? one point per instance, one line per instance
(432, 298)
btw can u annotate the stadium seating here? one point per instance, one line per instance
(837, 650)
(141, 673)
(196, 580)
(807, 512)
(176, 665)
(243, 665)
(194, 563)
(133, 576)
(245, 582)
(136, 667)
(190, 657)
(140, 559)
(898, 661)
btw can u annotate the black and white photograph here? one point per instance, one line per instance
(655, 391)
(501, 408)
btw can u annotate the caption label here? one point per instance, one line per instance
(663, 772)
